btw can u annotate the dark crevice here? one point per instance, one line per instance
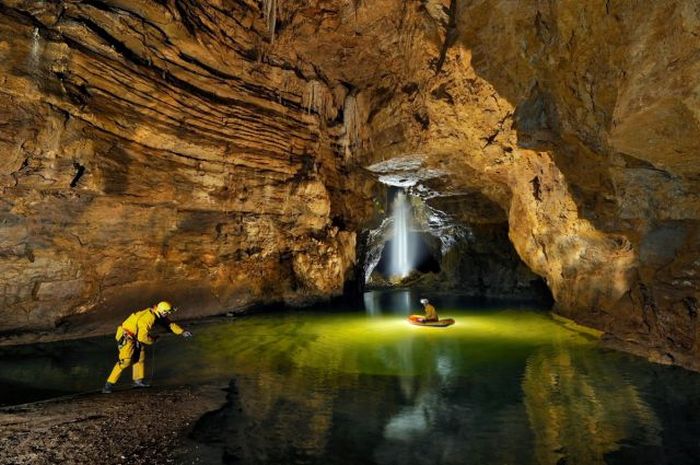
(22, 17)
(410, 88)
(384, 96)
(450, 36)
(441, 93)
(423, 119)
(536, 188)
(691, 305)
(211, 70)
(185, 18)
(648, 307)
(79, 171)
(100, 5)
(491, 138)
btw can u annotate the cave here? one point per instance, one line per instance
(239, 161)
(427, 259)
(470, 258)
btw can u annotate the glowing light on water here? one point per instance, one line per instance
(371, 305)
(402, 249)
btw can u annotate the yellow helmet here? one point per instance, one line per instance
(163, 308)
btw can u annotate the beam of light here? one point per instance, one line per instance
(402, 255)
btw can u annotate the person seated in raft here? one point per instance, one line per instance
(133, 337)
(430, 312)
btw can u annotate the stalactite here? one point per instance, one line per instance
(269, 8)
(451, 35)
(352, 123)
(312, 99)
(408, 31)
(318, 99)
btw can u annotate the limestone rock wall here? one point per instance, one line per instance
(155, 150)
(605, 96)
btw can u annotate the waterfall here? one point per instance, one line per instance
(402, 249)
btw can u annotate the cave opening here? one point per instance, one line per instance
(458, 245)
(425, 258)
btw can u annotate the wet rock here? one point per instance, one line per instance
(144, 427)
(139, 165)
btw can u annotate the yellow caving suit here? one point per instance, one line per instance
(132, 337)
(430, 313)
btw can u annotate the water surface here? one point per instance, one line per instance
(505, 385)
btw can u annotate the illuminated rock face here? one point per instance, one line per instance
(160, 152)
(174, 147)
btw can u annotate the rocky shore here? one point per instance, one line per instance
(136, 427)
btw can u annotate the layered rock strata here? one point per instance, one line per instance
(155, 151)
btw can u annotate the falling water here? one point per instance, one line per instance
(402, 254)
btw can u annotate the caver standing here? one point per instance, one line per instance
(133, 335)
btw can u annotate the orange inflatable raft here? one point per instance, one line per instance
(419, 320)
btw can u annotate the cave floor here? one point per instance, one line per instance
(144, 427)
(505, 384)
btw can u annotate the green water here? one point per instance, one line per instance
(504, 385)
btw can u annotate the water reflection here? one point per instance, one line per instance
(570, 407)
(401, 302)
(538, 395)
(582, 409)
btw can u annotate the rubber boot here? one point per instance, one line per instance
(107, 389)
(138, 383)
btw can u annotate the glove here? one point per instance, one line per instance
(187, 334)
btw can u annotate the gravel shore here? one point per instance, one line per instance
(147, 426)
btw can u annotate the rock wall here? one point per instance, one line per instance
(605, 96)
(580, 120)
(153, 151)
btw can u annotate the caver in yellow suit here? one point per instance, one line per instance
(133, 335)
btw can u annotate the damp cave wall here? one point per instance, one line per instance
(148, 155)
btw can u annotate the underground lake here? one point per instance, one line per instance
(356, 383)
